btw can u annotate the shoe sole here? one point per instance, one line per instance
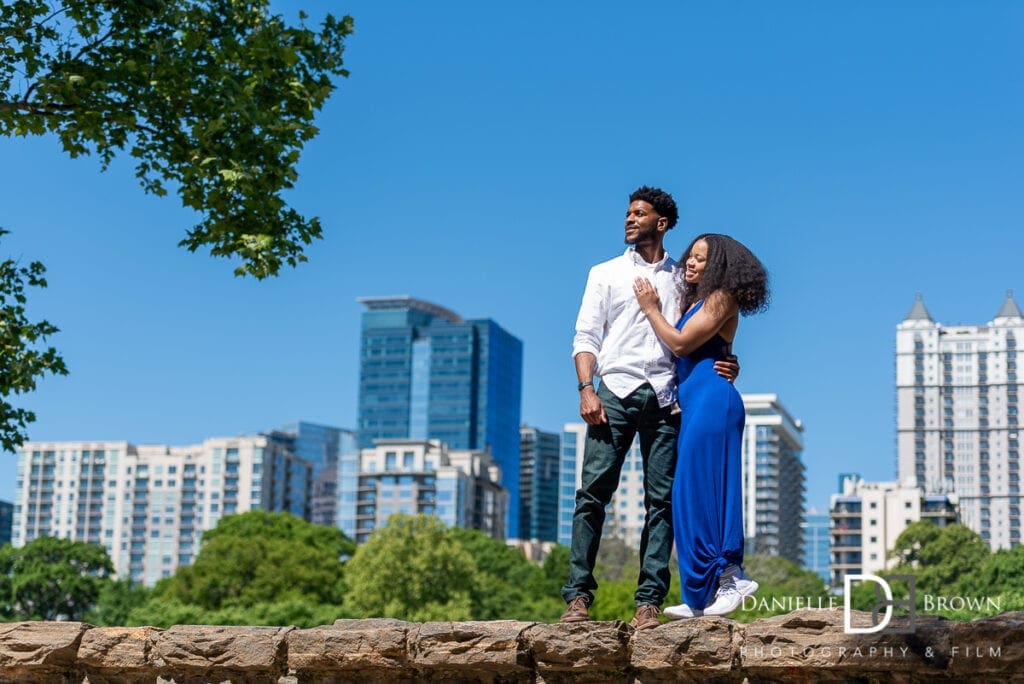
(670, 616)
(574, 619)
(751, 590)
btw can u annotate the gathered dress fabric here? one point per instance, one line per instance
(707, 503)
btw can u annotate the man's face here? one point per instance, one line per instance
(643, 223)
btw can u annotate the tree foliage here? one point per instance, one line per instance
(411, 569)
(24, 358)
(116, 602)
(506, 586)
(213, 98)
(260, 557)
(942, 559)
(51, 579)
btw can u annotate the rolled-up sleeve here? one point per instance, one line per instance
(590, 323)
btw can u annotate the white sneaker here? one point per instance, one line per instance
(732, 589)
(681, 612)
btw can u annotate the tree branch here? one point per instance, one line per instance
(55, 13)
(55, 109)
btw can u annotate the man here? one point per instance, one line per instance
(637, 393)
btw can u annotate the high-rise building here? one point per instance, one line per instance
(816, 531)
(148, 505)
(413, 476)
(867, 518)
(624, 515)
(6, 521)
(320, 445)
(773, 478)
(425, 373)
(570, 467)
(957, 415)
(538, 484)
(773, 482)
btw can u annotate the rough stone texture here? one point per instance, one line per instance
(473, 648)
(783, 646)
(39, 651)
(974, 643)
(802, 646)
(687, 650)
(118, 655)
(581, 651)
(205, 653)
(351, 650)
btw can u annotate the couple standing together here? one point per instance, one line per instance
(691, 450)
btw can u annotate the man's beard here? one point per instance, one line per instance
(641, 237)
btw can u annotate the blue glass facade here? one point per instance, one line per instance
(427, 373)
(538, 484)
(816, 544)
(320, 446)
(571, 450)
(6, 521)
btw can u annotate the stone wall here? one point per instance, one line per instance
(803, 646)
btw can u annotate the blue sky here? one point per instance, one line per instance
(480, 156)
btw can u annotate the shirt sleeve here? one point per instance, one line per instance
(590, 323)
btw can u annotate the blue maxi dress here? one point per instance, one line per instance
(707, 504)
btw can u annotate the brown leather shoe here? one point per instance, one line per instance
(576, 611)
(646, 617)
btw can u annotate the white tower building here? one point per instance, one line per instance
(957, 415)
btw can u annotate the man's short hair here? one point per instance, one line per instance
(660, 200)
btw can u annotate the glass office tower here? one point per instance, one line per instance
(425, 373)
(320, 446)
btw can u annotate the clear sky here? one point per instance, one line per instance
(480, 156)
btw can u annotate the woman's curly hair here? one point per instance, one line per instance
(730, 267)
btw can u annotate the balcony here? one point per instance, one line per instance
(846, 541)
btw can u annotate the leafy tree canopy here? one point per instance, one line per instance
(411, 569)
(261, 557)
(116, 601)
(24, 358)
(506, 586)
(942, 559)
(50, 579)
(213, 98)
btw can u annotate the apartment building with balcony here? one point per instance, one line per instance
(868, 517)
(462, 487)
(773, 478)
(148, 505)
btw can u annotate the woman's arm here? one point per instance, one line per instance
(718, 308)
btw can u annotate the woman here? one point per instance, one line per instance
(722, 279)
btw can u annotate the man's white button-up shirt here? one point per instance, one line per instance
(612, 327)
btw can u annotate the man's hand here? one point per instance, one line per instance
(728, 368)
(591, 408)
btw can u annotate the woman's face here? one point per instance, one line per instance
(696, 260)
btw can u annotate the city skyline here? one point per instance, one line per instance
(865, 154)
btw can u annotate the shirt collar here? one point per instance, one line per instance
(665, 263)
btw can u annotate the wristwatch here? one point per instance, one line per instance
(588, 383)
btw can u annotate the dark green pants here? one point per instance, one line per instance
(606, 448)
